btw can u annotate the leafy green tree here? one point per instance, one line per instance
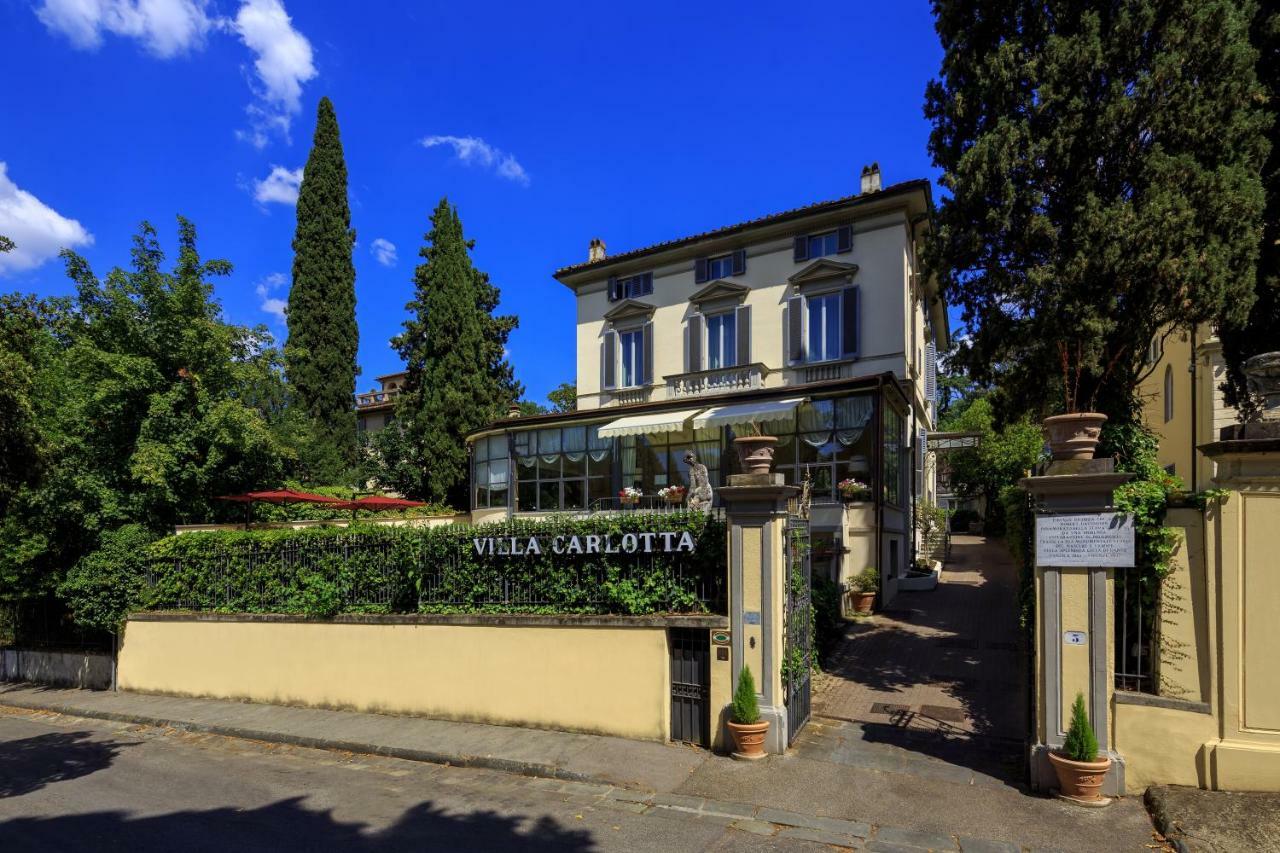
(1102, 163)
(1002, 456)
(458, 376)
(6, 245)
(149, 405)
(1260, 331)
(528, 407)
(320, 354)
(564, 397)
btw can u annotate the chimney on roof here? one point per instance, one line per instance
(513, 411)
(871, 178)
(596, 250)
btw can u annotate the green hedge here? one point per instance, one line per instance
(381, 569)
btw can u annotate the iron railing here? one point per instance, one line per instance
(1136, 632)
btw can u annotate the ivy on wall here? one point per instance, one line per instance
(379, 569)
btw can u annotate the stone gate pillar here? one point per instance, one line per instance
(756, 510)
(1074, 622)
(1243, 543)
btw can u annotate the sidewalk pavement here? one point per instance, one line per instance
(643, 765)
(843, 785)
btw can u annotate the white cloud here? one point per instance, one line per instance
(279, 187)
(473, 150)
(165, 27)
(38, 231)
(384, 251)
(284, 62)
(273, 305)
(283, 59)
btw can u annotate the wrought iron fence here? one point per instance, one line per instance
(46, 624)
(1136, 631)
(612, 564)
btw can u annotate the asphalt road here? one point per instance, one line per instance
(82, 785)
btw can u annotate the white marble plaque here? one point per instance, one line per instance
(1102, 539)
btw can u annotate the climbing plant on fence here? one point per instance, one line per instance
(624, 564)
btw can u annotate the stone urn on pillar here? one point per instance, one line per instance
(1074, 435)
(755, 451)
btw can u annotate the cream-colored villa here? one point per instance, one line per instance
(814, 324)
(376, 408)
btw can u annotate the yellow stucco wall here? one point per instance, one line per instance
(1162, 746)
(1183, 668)
(1075, 659)
(603, 680)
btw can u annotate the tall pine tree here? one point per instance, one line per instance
(459, 379)
(1261, 330)
(320, 355)
(1103, 165)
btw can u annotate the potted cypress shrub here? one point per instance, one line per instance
(1080, 771)
(745, 725)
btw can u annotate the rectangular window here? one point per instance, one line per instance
(824, 327)
(492, 471)
(821, 245)
(720, 267)
(828, 441)
(554, 467)
(636, 286)
(632, 347)
(722, 341)
(895, 456)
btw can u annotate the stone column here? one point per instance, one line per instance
(1243, 545)
(756, 509)
(1075, 623)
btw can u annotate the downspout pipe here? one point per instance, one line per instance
(1195, 411)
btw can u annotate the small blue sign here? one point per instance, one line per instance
(751, 617)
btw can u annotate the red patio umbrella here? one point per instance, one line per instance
(276, 496)
(378, 503)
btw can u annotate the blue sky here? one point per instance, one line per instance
(550, 125)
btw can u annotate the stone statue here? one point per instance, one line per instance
(700, 494)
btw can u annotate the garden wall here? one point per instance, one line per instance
(85, 670)
(598, 674)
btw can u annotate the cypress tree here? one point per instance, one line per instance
(1103, 165)
(458, 377)
(320, 354)
(1260, 332)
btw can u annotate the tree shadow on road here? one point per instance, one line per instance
(31, 763)
(288, 825)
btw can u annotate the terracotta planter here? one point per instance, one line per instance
(862, 601)
(1074, 436)
(1080, 781)
(755, 453)
(748, 739)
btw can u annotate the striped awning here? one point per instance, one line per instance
(647, 424)
(744, 413)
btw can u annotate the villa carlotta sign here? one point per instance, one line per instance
(654, 542)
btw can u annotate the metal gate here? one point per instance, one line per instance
(797, 658)
(690, 685)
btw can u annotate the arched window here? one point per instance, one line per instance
(1168, 393)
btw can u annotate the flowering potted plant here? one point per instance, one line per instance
(630, 496)
(854, 490)
(672, 494)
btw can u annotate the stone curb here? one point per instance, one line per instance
(505, 765)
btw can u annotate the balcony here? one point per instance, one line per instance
(746, 377)
(375, 398)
